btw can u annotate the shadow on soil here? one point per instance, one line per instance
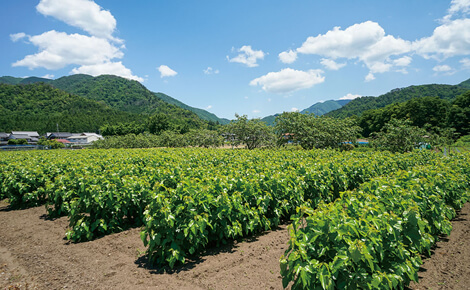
(193, 261)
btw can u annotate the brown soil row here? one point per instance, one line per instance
(34, 255)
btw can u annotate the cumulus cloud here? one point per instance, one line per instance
(209, 71)
(366, 42)
(107, 68)
(209, 107)
(294, 109)
(465, 62)
(403, 61)
(59, 49)
(48, 76)
(83, 14)
(442, 68)
(247, 56)
(166, 71)
(94, 54)
(17, 36)
(456, 7)
(369, 77)
(350, 97)
(448, 40)
(288, 80)
(331, 64)
(288, 56)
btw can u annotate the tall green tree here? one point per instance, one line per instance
(158, 123)
(399, 135)
(253, 133)
(310, 131)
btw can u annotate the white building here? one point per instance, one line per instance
(84, 138)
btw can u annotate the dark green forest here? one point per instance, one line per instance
(358, 106)
(119, 93)
(40, 107)
(431, 113)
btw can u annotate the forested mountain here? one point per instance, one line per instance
(432, 113)
(40, 107)
(115, 96)
(203, 114)
(357, 106)
(120, 93)
(318, 109)
(10, 80)
(322, 108)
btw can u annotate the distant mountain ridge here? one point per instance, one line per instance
(120, 93)
(359, 105)
(322, 108)
(319, 109)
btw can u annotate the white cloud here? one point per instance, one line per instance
(442, 68)
(288, 56)
(465, 62)
(256, 111)
(110, 68)
(48, 76)
(369, 77)
(166, 71)
(209, 71)
(247, 56)
(94, 54)
(365, 41)
(17, 36)
(294, 109)
(59, 49)
(209, 107)
(448, 40)
(462, 6)
(331, 64)
(350, 97)
(403, 61)
(288, 80)
(83, 14)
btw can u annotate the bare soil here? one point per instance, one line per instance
(35, 255)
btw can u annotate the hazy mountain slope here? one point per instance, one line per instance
(318, 109)
(203, 114)
(10, 80)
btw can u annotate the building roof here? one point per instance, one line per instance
(4, 135)
(29, 133)
(63, 141)
(59, 135)
(19, 136)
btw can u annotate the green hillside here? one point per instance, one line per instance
(32, 80)
(119, 93)
(203, 114)
(360, 105)
(10, 80)
(40, 107)
(318, 109)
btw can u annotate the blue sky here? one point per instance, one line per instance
(247, 57)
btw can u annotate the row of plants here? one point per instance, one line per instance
(372, 237)
(187, 199)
